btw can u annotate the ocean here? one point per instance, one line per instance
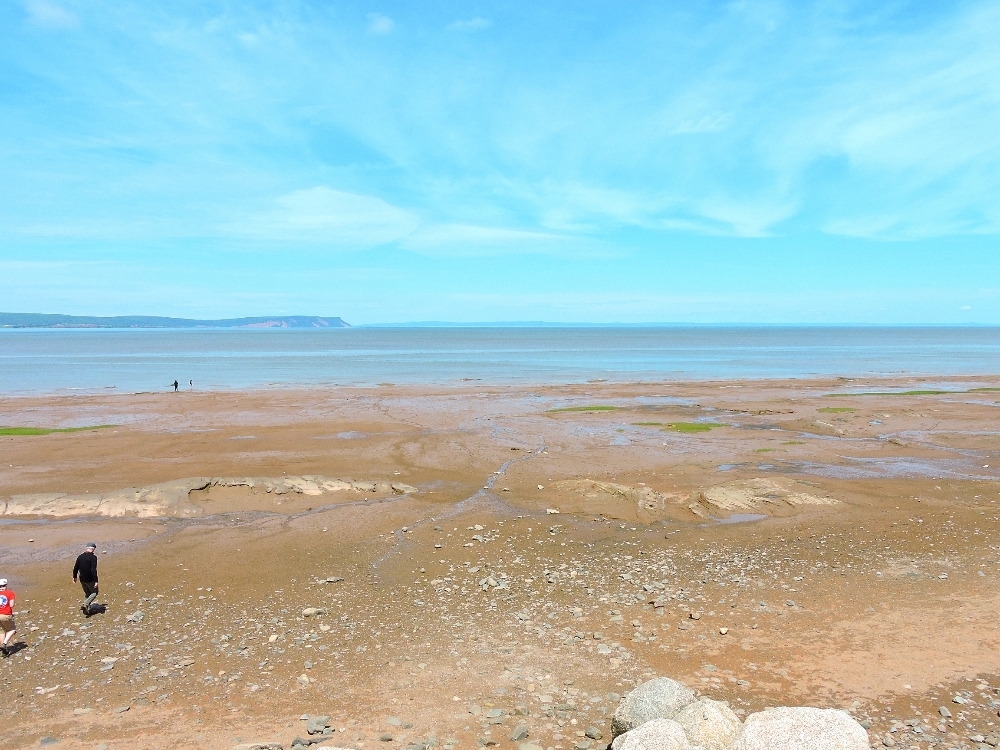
(59, 361)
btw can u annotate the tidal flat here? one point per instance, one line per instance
(475, 557)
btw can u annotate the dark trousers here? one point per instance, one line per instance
(89, 591)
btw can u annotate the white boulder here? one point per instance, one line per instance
(710, 724)
(661, 698)
(658, 734)
(801, 729)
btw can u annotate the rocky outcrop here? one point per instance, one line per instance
(174, 499)
(773, 497)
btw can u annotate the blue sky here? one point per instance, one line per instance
(772, 162)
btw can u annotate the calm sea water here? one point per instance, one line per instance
(39, 361)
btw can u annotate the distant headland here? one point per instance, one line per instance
(40, 320)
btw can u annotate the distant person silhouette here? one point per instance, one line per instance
(191, 384)
(175, 386)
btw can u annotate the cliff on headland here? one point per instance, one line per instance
(39, 320)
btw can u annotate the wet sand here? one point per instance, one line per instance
(867, 581)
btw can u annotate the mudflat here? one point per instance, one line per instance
(440, 565)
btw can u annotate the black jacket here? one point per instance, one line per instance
(86, 567)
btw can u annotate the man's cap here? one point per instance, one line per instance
(91, 545)
(3, 581)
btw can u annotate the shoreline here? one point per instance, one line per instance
(889, 379)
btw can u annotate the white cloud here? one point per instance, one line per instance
(576, 207)
(44, 13)
(710, 123)
(913, 124)
(468, 239)
(473, 24)
(330, 217)
(471, 240)
(379, 24)
(747, 216)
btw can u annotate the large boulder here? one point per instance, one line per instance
(661, 698)
(801, 729)
(710, 724)
(658, 734)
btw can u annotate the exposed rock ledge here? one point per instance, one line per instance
(174, 498)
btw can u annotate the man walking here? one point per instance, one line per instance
(86, 570)
(7, 598)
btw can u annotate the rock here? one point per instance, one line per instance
(520, 733)
(801, 728)
(81, 711)
(594, 733)
(888, 741)
(945, 713)
(658, 734)
(313, 611)
(317, 724)
(385, 737)
(661, 698)
(259, 746)
(710, 724)
(136, 617)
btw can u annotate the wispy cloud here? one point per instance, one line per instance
(473, 24)
(379, 24)
(328, 217)
(49, 15)
(331, 218)
(480, 241)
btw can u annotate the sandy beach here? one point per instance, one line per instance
(413, 561)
